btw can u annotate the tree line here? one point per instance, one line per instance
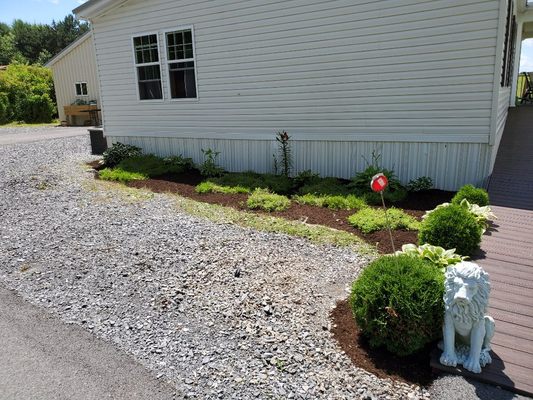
(27, 43)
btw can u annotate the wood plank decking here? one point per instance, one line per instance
(507, 255)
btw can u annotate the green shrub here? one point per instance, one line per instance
(393, 193)
(325, 186)
(5, 109)
(210, 187)
(306, 177)
(152, 166)
(267, 201)
(279, 184)
(29, 90)
(349, 202)
(117, 174)
(398, 303)
(473, 195)
(37, 108)
(119, 152)
(369, 220)
(451, 227)
(420, 184)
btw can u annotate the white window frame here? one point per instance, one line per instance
(81, 89)
(168, 62)
(135, 65)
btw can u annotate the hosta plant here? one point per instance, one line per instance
(436, 254)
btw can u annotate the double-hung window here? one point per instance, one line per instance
(81, 89)
(180, 60)
(147, 66)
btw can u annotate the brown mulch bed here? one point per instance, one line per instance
(412, 369)
(416, 204)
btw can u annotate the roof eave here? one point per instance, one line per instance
(93, 8)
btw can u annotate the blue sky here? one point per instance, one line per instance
(44, 11)
(38, 11)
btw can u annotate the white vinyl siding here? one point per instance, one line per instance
(396, 71)
(78, 65)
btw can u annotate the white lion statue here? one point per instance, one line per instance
(467, 330)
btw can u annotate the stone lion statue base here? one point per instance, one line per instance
(467, 330)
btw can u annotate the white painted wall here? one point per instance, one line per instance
(77, 65)
(414, 78)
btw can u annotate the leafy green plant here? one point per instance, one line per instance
(325, 186)
(439, 256)
(473, 195)
(397, 302)
(451, 227)
(361, 183)
(210, 187)
(183, 163)
(263, 199)
(420, 184)
(119, 175)
(152, 166)
(119, 152)
(369, 220)
(284, 153)
(338, 202)
(482, 214)
(209, 167)
(29, 90)
(306, 177)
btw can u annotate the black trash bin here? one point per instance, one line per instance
(98, 141)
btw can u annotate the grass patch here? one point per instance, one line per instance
(210, 187)
(263, 199)
(119, 175)
(315, 233)
(338, 202)
(20, 124)
(105, 191)
(278, 184)
(370, 220)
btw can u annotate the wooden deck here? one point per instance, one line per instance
(507, 255)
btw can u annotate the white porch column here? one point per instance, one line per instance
(516, 64)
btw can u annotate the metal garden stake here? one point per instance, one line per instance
(378, 184)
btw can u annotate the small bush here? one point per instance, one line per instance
(117, 174)
(398, 303)
(350, 202)
(393, 193)
(210, 187)
(473, 195)
(420, 184)
(5, 108)
(306, 177)
(279, 184)
(119, 152)
(152, 166)
(37, 108)
(451, 227)
(369, 220)
(267, 201)
(325, 186)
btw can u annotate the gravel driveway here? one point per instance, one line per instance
(217, 310)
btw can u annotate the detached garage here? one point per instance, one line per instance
(76, 83)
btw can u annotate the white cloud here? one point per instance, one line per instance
(56, 2)
(81, 1)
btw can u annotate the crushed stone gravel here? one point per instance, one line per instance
(217, 310)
